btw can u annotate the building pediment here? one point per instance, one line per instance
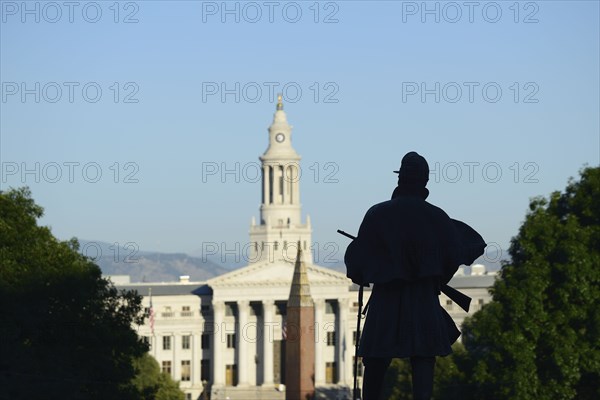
(277, 274)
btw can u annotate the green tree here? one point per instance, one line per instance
(398, 378)
(66, 333)
(449, 374)
(397, 383)
(153, 384)
(540, 336)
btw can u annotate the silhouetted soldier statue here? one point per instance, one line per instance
(409, 249)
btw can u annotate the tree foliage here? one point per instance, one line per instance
(447, 377)
(540, 336)
(397, 382)
(153, 384)
(66, 332)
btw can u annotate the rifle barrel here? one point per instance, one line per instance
(346, 234)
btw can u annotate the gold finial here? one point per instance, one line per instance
(279, 102)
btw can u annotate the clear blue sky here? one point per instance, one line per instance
(369, 61)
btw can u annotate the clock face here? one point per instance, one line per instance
(280, 137)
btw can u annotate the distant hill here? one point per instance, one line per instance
(492, 261)
(147, 266)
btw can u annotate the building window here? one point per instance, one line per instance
(229, 309)
(231, 340)
(166, 367)
(205, 341)
(480, 302)
(166, 342)
(205, 370)
(147, 341)
(185, 370)
(276, 244)
(449, 304)
(354, 337)
(185, 342)
(359, 366)
(167, 313)
(329, 307)
(331, 372)
(330, 338)
(188, 396)
(231, 375)
(186, 311)
(281, 307)
(285, 244)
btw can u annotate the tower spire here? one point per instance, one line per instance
(300, 342)
(300, 290)
(280, 223)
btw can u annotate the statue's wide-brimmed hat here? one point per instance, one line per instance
(414, 170)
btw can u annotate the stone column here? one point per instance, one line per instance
(276, 184)
(265, 184)
(286, 184)
(344, 342)
(195, 359)
(242, 341)
(296, 184)
(339, 342)
(268, 338)
(290, 177)
(175, 363)
(283, 184)
(218, 371)
(320, 337)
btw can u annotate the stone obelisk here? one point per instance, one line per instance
(300, 341)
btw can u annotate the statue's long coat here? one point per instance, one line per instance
(408, 248)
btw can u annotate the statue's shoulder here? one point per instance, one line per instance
(405, 206)
(380, 207)
(437, 211)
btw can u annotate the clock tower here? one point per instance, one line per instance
(280, 229)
